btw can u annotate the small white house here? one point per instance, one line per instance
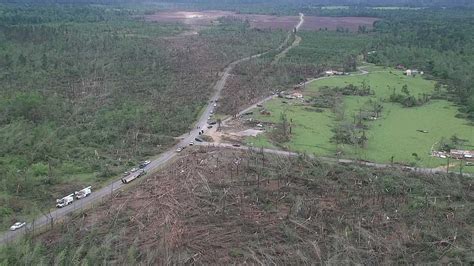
(411, 72)
(297, 95)
(329, 73)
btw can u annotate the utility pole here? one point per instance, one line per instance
(447, 165)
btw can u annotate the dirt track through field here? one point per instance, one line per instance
(295, 43)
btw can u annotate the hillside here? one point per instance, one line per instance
(86, 93)
(221, 206)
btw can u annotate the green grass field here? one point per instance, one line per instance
(393, 134)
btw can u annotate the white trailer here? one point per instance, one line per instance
(83, 192)
(133, 176)
(65, 201)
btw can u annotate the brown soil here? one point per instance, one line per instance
(207, 18)
(332, 23)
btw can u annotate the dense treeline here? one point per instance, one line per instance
(440, 43)
(317, 52)
(85, 92)
(296, 3)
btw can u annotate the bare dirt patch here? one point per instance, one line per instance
(332, 23)
(204, 18)
(234, 131)
(207, 18)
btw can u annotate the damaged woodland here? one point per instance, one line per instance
(216, 206)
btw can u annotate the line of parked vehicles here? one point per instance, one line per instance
(69, 199)
(201, 131)
(62, 202)
(127, 177)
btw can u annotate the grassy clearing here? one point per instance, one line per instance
(393, 134)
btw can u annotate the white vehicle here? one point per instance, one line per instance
(191, 143)
(83, 192)
(215, 105)
(65, 201)
(179, 149)
(144, 164)
(17, 226)
(134, 169)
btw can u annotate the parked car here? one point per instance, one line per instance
(198, 139)
(134, 169)
(191, 143)
(179, 149)
(125, 174)
(17, 226)
(236, 145)
(144, 164)
(209, 127)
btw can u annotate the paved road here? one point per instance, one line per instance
(266, 99)
(165, 157)
(329, 159)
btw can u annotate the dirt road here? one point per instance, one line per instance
(268, 98)
(329, 159)
(59, 214)
(295, 43)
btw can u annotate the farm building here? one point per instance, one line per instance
(333, 72)
(455, 154)
(439, 154)
(462, 154)
(411, 72)
(297, 95)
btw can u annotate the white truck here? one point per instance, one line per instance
(133, 176)
(65, 201)
(83, 192)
